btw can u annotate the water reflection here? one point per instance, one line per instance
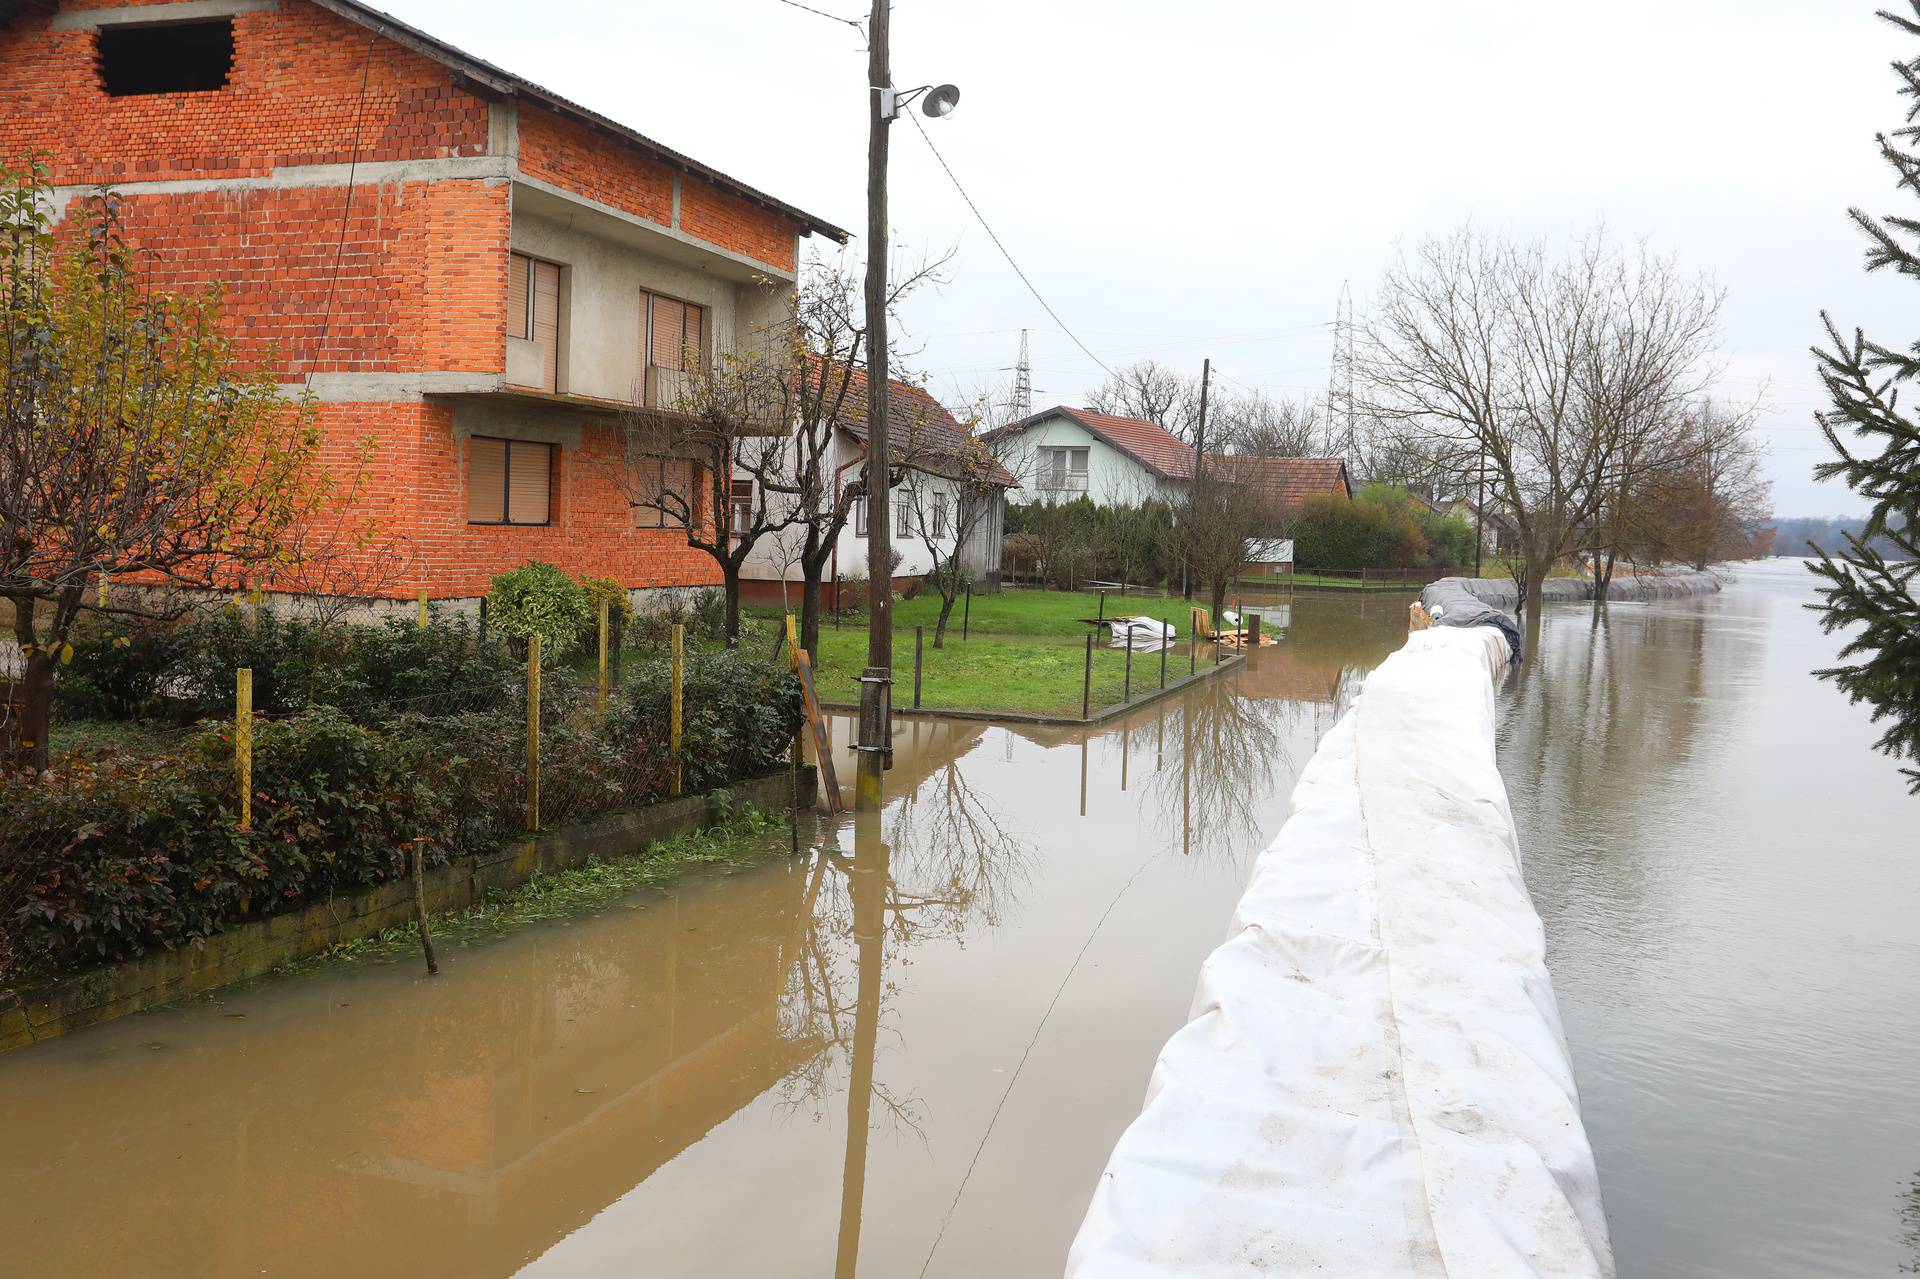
(1728, 880)
(754, 1074)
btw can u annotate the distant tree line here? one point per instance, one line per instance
(1798, 538)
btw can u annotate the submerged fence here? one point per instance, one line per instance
(155, 833)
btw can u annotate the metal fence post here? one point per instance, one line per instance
(605, 636)
(674, 720)
(420, 613)
(919, 648)
(966, 612)
(1126, 694)
(1086, 682)
(533, 733)
(482, 641)
(243, 742)
(1165, 644)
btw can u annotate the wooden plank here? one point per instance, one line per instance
(822, 743)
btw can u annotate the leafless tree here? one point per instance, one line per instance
(1215, 521)
(1152, 392)
(1261, 426)
(1546, 369)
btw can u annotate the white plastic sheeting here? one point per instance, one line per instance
(1374, 1082)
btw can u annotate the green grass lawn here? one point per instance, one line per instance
(1022, 612)
(1030, 674)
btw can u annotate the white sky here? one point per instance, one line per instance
(1198, 179)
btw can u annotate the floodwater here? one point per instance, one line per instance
(1730, 880)
(911, 1050)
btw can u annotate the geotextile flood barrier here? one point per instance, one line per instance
(1374, 1080)
(1504, 592)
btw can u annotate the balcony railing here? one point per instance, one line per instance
(1063, 482)
(679, 391)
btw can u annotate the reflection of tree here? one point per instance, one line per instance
(1910, 1226)
(1231, 747)
(943, 858)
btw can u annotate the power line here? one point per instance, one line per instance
(346, 209)
(981, 219)
(855, 23)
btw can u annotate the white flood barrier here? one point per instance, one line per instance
(1374, 1082)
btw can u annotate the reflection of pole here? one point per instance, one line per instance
(1083, 775)
(867, 886)
(1186, 778)
(1126, 740)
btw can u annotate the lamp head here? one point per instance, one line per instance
(940, 100)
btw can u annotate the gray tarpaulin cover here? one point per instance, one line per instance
(1450, 603)
(1374, 1082)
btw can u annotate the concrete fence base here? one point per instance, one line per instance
(257, 946)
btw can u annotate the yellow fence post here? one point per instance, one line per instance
(421, 615)
(533, 733)
(605, 621)
(674, 716)
(793, 655)
(243, 742)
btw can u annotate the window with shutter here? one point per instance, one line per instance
(903, 519)
(519, 270)
(674, 336)
(546, 322)
(486, 481)
(662, 479)
(509, 481)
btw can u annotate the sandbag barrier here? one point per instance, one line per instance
(1374, 1080)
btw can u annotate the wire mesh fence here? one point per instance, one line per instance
(290, 781)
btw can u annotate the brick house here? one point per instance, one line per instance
(466, 269)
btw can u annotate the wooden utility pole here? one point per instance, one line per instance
(1199, 464)
(876, 680)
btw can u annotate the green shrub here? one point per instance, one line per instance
(539, 599)
(120, 673)
(739, 716)
(1332, 532)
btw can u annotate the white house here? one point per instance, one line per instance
(925, 509)
(1112, 461)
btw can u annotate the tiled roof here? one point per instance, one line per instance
(1154, 447)
(920, 432)
(1283, 481)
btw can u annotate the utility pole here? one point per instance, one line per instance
(1480, 512)
(876, 682)
(1199, 466)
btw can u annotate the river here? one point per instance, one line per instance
(910, 1050)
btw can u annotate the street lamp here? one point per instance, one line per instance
(874, 747)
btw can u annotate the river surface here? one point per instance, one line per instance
(911, 1050)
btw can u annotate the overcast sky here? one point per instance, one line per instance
(1199, 179)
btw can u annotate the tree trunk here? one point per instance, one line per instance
(810, 592)
(35, 689)
(36, 693)
(1219, 587)
(1602, 576)
(731, 574)
(947, 599)
(1538, 566)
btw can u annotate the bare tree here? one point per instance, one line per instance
(1152, 392)
(1261, 426)
(1545, 370)
(134, 444)
(1215, 522)
(954, 490)
(681, 459)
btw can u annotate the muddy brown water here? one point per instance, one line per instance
(911, 1050)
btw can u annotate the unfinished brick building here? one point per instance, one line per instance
(473, 273)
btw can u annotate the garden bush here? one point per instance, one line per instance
(538, 599)
(739, 715)
(1332, 532)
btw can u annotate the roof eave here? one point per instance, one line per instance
(488, 81)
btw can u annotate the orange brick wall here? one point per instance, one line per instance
(573, 156)
(421, 277)
(293, 98)
(414, 490)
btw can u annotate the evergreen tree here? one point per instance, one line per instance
(1863, 590)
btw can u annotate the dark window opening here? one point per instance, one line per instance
(180, 57)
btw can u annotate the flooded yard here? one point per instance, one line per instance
(911, 1050)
